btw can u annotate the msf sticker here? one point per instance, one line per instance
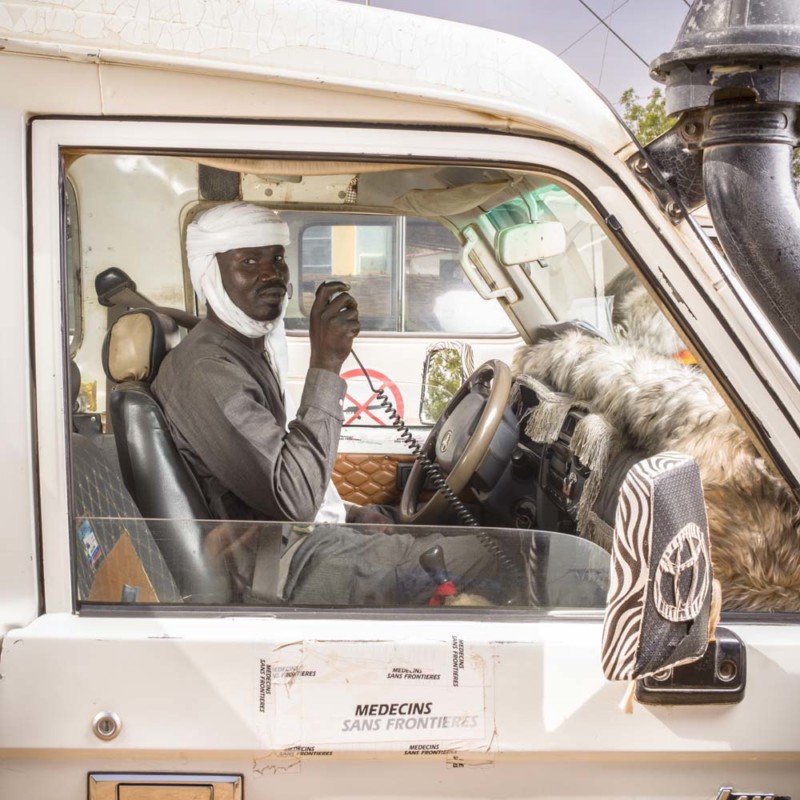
(356, 695)
(683, 576)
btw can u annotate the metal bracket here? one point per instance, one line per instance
(473, 244)
(672, 167)
(719, 677)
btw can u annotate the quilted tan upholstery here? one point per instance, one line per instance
(368, 478)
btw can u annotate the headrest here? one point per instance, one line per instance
(136, 344)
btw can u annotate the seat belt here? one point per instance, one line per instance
(265, 587)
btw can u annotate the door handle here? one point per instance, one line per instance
(157, 786)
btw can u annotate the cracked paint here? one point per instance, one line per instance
(311, 40)
(274, 765)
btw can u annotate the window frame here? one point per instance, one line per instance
(399, 279)
(397, 283)
(737, 346)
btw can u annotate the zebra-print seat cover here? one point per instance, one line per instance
(660, 590)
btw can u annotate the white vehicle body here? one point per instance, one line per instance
(319, 79)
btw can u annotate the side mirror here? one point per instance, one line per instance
(660, 592)
(530, 241)
(447, 366)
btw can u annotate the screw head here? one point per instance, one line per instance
(727, 670)
(674, 211)
(641, 166)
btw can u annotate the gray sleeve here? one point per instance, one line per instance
(281, 475)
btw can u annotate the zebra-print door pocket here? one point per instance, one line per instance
(660, 585)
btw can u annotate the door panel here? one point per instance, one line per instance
(542, 720)
(188, 689)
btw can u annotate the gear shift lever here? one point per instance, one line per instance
(432, 561)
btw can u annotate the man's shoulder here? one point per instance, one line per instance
(207, 350)
(209, 340)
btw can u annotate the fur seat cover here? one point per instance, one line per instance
(656, 403)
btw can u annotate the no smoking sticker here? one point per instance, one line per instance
(362, 405)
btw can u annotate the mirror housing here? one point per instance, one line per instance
(658, 614)
(531, 241)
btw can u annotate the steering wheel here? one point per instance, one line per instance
(459, 439)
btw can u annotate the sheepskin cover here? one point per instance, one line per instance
(655, 404)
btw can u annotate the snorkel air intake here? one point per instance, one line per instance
(733, 80)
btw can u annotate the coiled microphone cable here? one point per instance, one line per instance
(434, 472)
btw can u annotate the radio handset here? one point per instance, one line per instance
(334, 295)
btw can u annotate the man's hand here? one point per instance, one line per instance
(379, 520)
(333, 326)
(366, 515)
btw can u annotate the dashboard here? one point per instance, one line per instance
(543, 483)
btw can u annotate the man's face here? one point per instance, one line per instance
(256, 279)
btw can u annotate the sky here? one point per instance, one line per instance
(569, 29)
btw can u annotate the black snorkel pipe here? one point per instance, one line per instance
(733, 78)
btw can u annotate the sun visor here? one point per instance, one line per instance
(457, 200)
(284, 168)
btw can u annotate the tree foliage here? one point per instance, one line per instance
(443, 378)
(647, 118)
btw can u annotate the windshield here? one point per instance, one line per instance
(573, 283)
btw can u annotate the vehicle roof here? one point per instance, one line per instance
(313, 42)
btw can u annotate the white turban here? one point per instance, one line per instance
(229, 227)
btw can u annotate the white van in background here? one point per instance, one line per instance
(474, 192)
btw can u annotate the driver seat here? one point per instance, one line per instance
(153, 470)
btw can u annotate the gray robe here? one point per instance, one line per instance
(225, 410)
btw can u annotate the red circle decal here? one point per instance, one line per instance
(360, 412)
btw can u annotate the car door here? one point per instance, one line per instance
(279, 700)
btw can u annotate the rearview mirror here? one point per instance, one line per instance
(531, 241)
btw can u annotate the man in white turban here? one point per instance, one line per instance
(249, 462)
(223, 393)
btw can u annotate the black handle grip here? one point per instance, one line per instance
(111, 281)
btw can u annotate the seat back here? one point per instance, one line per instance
(159, 480)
